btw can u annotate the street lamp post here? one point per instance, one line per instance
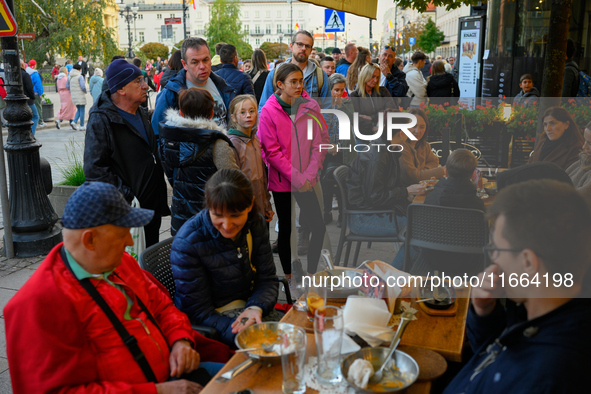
(32, 217)
(129, 14)
(280, 47)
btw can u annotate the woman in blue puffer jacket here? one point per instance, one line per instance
(222, 261)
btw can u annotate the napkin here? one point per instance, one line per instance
(368, 318)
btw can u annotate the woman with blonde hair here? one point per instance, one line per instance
(67, 108)
(363, 58)
(369, 98)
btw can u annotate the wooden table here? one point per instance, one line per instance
(443, 334)
(264, 379)
(420, 199)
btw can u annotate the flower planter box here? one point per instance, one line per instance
(47, 112)
(59, 196)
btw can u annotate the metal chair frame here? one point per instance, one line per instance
(448, 229)
(340, 175)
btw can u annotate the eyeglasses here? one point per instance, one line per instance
(295, 84)
(493, 251)
(302, 45)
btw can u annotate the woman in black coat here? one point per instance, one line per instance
(442, 87)
(258, 73)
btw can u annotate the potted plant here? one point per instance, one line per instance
(47, 108)
(73, 173)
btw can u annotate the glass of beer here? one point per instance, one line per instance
(315, 298)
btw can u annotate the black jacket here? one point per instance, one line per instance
(371, 107)
(444, 86)
(456, 193)
(187, 158)
(116, 153)
(374, 181)
(84, 69)
(211, 271)
(28, 87)
(259, 84)
(168, 73)
(396, 82)
(570, 84)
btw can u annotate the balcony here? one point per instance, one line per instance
(257, 33)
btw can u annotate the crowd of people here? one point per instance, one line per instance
(239, 146)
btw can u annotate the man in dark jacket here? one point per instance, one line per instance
(237, 79)
(392, 77)
(196, 73)
(542, 230)
(570, 85)
(120, 146)
(82, 63)
(30, 93)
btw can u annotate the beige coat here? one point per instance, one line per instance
(78, 95)
(250, 161)
(419, 164)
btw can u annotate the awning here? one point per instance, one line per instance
(367, 8)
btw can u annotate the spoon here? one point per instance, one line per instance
(404, 320)
(267, 347)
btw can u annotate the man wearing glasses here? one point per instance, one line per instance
(315, 79)
(538, 340)
(392, 78)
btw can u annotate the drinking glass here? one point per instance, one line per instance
(328, 332)
(315, 298)
(293, 360)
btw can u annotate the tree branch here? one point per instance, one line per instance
(42, 11)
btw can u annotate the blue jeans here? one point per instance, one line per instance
(211, 367)
(376, 225)
(398, 261)
(80, 114)
(35, 117)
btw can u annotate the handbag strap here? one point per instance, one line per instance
(129, 340)
(256, 77)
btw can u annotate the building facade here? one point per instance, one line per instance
(448, 23)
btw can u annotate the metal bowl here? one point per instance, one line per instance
(408, 367)
(490, 187)
(271, 333)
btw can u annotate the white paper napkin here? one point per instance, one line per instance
(368, 318)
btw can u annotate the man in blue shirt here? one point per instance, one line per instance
(37, 87)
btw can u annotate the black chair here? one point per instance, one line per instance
(340, 175)
(156, 260)
(447, 229)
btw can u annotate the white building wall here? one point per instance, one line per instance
(447, 21)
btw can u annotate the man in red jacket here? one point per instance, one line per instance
(60, 337)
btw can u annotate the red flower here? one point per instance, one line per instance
(447, 125)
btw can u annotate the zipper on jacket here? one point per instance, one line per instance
(150, 336)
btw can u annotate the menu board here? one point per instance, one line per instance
(470, 54)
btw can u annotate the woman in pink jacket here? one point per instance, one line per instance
(294, 160)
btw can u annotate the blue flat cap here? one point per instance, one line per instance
(97, 203)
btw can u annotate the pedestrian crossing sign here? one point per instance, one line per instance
(334, 21)
(8, 26)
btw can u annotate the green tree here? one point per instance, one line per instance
(154, 49)
(273, 49)
(225, 26)
(328, 50)
(430, 38)
(67, 27)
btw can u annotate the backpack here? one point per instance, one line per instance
(584, 85)
(319, 78)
